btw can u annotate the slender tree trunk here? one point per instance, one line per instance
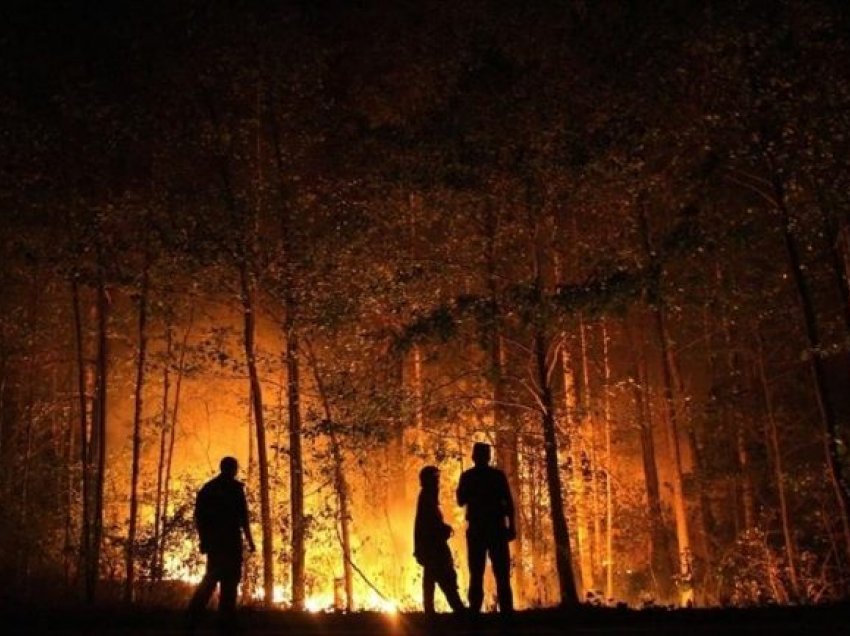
(340, 483)
(661, 550)
(705, 518)
(68, 543)
(560, 531)
(775, 453)
(84, 453)
(609, 492)
(172, 436)
(544, 365)
(590, 480)
(296, 466)
(247, 592)
(584, 572)
(259, 420)
(507, 441)
(156, 567)
(671, 420)
(129, 583)
(99, 430)
(396, 459)
(534, 531)
(296, 470)
(418, 390)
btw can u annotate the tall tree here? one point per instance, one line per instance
(141, 359)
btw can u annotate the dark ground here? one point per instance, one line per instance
(774, 621)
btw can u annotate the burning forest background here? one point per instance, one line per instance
(340, 241)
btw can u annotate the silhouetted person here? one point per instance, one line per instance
(221, 516)
(431, 549)
(490, 527)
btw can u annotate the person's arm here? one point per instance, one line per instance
(419, 533)
(244, 522)
(462, 494)
(510, 513)
(201, 520)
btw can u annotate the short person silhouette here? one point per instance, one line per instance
(431, 548)
(221, 516)
(490, 527)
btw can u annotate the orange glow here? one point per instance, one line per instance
(179, 567)
(316, 604)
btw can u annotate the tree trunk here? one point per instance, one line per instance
(584, 572)
(172, 435)
(259, 420)
(99, 431)
(534, 532)
(705, 519)
(560, 531)
(68, 543)
(418, 391)
(507, 441)
(609, 492)
(340, 483)
(247, 575)
(671, 420)
(156, 566)
(775, 454)
(85, 465)
(296, 469)
(661, 550)
(129, 582)
(590, 481)
(672, 429)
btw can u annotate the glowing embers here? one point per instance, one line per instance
(319, 603)
(377, 603)
(372, 603)
(182, 564)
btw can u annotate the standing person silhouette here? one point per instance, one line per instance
(221, 516)
(430, 541)
(490, 527)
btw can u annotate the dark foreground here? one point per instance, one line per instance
(589, 621)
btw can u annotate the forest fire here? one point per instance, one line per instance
(592, 258)
(177, 566)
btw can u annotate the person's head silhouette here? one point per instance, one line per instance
(229, 467)
(481, 454)
(429, 478)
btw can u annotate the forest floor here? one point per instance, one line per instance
(775, 621)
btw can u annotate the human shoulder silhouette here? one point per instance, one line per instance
(221, 511)
(484, 490)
